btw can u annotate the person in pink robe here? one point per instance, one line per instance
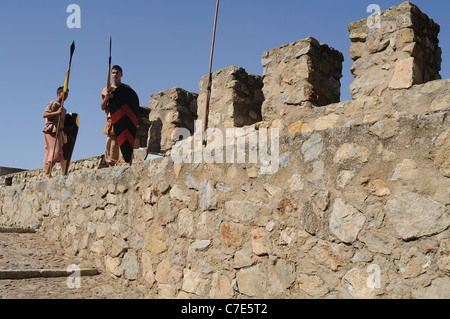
(54, 110)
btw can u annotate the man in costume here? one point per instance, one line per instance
(54, 113)
(121, 107)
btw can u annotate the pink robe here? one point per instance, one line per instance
(50, 134)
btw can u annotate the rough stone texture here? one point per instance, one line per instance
(345, 221)
(141, 140)
(414, 215)
(394, 49)
(235, 101)
(76, 167)
(171, 109)
(255, 243)
(300, 73)
(382, 111)
(358, 207)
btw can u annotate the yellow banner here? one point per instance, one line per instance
(66, 84)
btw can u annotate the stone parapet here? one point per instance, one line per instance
(76, 167)
(305, 72)
(394, 49)
(236, 98)
(170, 109)
(430, 97)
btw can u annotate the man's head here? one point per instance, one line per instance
(117, 68)
(116, 73)
(60, 93)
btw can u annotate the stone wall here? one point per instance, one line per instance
(76, 167)
(348, 213)
(344, 205)
(429, 97)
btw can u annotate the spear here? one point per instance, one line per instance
(66, 90)
(109, 88)
(208, 93)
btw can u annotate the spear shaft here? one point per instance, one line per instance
(66, 90)
(108, 82)
(208, 92)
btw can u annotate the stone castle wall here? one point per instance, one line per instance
(347, 214)
(344, 201)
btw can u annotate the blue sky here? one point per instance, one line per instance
(160, 45)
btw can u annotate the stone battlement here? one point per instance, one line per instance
(358, 207)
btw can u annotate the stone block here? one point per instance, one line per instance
(170, 110)
(395, 50)
(298, 73)
(235, 101)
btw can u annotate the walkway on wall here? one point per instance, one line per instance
(34, 268)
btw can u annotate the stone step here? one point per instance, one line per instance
(25, 254)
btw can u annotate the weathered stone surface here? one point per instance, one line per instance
(112, 265)
(312, 148)
(165, 274)
(405, 169)
(252, 281)
(259, 242)
(413, 263)
(243, 258)
(119, 246)
(345, 221)
(377, 242)
(193, 283)
(242, 210)
(207, 196)
(444, 256)
(406, 214)
(437, 290)
(147, 269)
(399, 35)
(385, 128)
(236, 98)
(221, 287)
(356, 283)
(170, 110)
(405, 75)
(313, 285)
(154, 240)
(336, 204)
(130, 266)
(186, 226)
(280, 277)
(378, 187)
(350, 151)
(328, 255)
(295, 74)
(231, 233)
(442, 152)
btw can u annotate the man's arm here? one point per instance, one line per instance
(105, 100)
(52, 114)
